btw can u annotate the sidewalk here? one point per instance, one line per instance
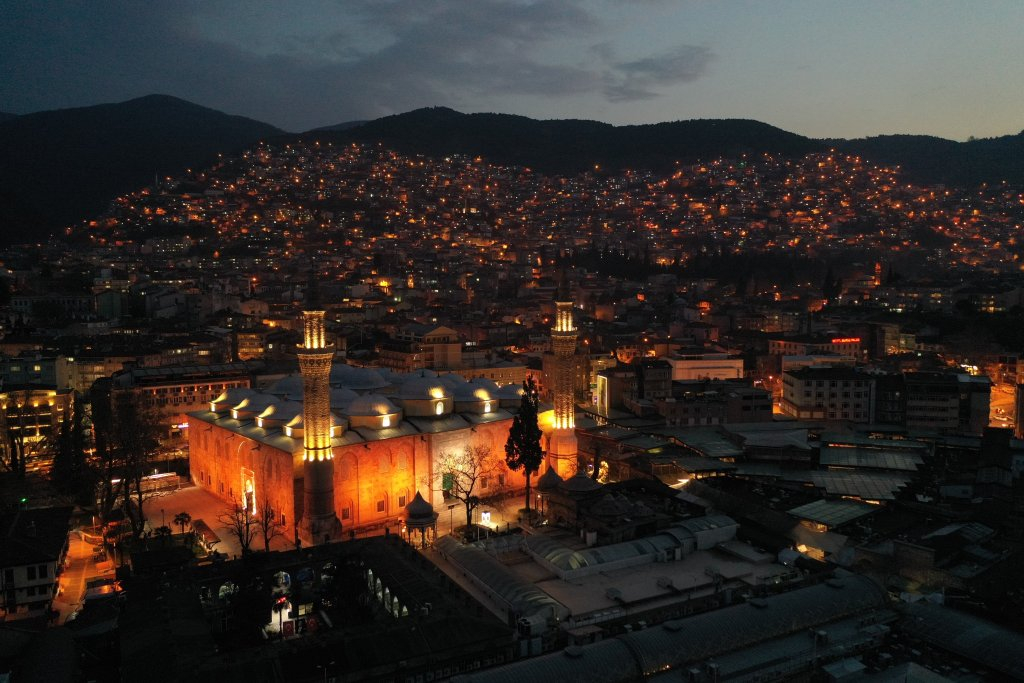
(79, 568)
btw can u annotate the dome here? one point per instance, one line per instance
(580, 483)
(341, 397)
(419, 509)
(423, 389)
(473, 392)
(279, 413)
(488, 384)
(231, 398)
(253, 405)
(371, 405)
(289, 388)
(549, 481)
(511, 391)
(452, 380)
(359, 379)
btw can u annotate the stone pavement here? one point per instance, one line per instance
(201, 504)
(79, 567)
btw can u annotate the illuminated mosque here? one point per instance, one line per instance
(338, 448)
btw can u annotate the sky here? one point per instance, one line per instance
(821, 68)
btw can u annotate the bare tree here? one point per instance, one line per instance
(269, 524)
(462, 472)
(241, 523)
(14, 424)
(126, 444)
(136, 439)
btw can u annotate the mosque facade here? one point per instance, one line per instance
(388, 433)
(339, 448)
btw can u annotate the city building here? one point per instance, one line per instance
(35, 543)
(812, 345)
(28, 417)
(174, 391)
(701, 363)
(828, 393)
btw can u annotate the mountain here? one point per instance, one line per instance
(6, 116)
(568, 146)
(934, 160)
(59, 167)
(338, 126)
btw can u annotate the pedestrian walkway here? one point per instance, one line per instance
(79, 568)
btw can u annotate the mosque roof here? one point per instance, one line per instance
(580, 483)
(371, 405)
(419, 509)
(549, 480)
(359, 379)
(423, 389)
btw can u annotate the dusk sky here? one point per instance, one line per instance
(815, 67)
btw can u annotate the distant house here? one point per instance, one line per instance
(35, 543)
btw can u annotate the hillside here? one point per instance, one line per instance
(567, 146)
(934, 160)
(63, 166)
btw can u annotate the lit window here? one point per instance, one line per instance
(385, 421)
(487, 406)
(439, 407)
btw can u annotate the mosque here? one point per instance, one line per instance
(339, 448)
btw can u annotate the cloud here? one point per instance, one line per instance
(323, 63)
(638, 80)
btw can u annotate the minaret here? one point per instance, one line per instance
(562, 446)
(319, 523)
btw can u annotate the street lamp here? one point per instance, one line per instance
(451, 519)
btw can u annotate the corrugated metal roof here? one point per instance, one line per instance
(870, 458)
(833, 513)
(678, 644)
(968, 636)
(869, 486)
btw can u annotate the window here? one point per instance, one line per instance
(381, 505)
(8, 577)
(483, 482)
(42, 571)
(346, 513)
(401, 501)
(30, 591)
(30, 573)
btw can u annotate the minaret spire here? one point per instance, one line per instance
(319, 522)
(562, 446)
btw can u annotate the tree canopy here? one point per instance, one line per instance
(522, 449)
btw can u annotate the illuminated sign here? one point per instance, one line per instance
(846, 340)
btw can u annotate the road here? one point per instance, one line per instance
(1001, 405)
